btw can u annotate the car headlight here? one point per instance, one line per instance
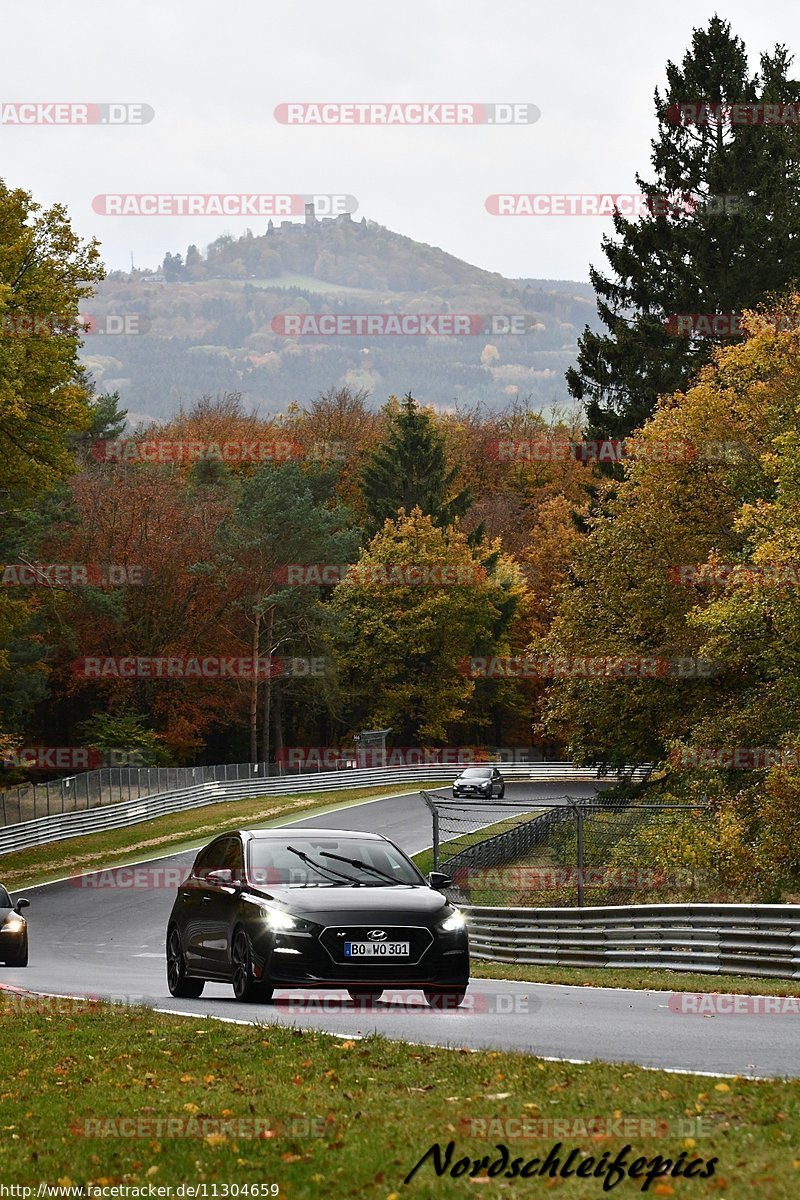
(278, 920)
(454, 921)
(13, 923)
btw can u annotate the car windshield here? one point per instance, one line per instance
(5, 899)
(477, 773)
(304, 861)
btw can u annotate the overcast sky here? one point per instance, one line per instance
(214, 74)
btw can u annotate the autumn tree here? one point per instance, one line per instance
(340, 429)
(284, 516)
(403, 644)
(702, 486)
(158, 529)
(45, 273)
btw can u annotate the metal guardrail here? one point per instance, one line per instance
(60, 826)
(113, 785)
(752, 939)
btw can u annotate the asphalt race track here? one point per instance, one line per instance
(108, 942)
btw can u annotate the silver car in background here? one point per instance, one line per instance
(480, 782)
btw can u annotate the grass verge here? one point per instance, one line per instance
(173, 832)
(647, 979)
(137, 1098)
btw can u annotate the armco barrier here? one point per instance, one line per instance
(751, 939)
(59, 826)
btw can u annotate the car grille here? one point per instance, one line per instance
(334, 937)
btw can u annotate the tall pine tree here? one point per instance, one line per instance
(409, 470)
(731, 240)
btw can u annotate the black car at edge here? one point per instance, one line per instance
(311, 908)
(13, 930)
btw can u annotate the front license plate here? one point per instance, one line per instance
(376, 949)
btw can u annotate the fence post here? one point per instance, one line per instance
(435, 823)
(578, 809)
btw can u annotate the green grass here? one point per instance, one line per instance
(309, 283)
(171, 833)
(640, 978)
(353, 1118)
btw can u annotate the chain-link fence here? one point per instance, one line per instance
(113, 785)
(568, 851)
(116, 784)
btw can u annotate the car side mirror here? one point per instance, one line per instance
(439, 881)
(23, 902)
(221, 878)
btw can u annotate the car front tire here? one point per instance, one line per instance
(178, 981)
(20, 957)
(245, 987)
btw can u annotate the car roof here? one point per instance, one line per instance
(311, 831)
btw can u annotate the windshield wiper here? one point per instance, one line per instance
(331, 871)
(356, 862)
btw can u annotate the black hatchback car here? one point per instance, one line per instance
(311, 908)
(480, 781)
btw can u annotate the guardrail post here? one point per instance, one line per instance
(435, 823)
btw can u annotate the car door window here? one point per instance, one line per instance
(210, 859)
(233, 859)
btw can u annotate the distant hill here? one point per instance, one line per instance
(212, 322)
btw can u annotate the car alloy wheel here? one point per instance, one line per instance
(178, 981)
(245, 987)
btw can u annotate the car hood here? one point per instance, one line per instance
(357, 905)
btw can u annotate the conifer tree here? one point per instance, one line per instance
(409, 470)
(720, 231)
